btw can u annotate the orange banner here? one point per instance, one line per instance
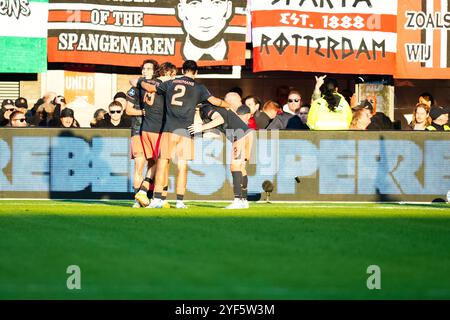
(423, 47)
(356, 37)
(125, 33)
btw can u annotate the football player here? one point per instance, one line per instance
(235, 127)
(182, 95)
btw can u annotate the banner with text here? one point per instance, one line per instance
(124, 33)
(329, 166)
(423, 33)
(338, 36)
(23, 36)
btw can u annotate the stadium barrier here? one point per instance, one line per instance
(331, 166)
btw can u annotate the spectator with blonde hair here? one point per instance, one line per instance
(361, 119)
(421, 117)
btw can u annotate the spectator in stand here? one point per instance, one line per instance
(331, 111)
(282, 95)
(303, 113)
(379, 121)
(67, 119)
(121, 97)
(361, 119)
(21, 105)
(421, 117)
(289, 119)
(115, 119)
(42, 111)
(99, 115)
(293, 103)
(439, 117)
(269, 112)
(447, 108)
(427, 98)
(234, 99)
(60, 103)
(237, 90)
(254, 103)
(17, 119)
(348, 95)
(8, 107)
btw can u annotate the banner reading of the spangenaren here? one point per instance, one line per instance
(125, 32)
(339, 36)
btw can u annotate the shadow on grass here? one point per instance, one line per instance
(115, 203)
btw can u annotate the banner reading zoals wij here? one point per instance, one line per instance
(423, 39)
(338, 36)
(124, 33)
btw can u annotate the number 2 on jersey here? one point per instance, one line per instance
(180, 91)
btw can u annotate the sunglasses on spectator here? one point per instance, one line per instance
(20, 119)
(115, 111)
(302, 113)
(10, 109)
(294, 100)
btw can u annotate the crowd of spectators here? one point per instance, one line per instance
(326, 109)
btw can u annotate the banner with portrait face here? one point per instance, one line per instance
(350, 36)
(124, 33)
(423, 33)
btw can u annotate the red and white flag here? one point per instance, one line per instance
(124, 33)
(423, 33)
(336, 36)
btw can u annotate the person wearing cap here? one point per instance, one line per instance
(8, 107)
(60, 104)
(122, 98)
(21, 104)
(439, 117)
(42, 111)
(378, 120)
(67, 119)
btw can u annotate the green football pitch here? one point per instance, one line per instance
(270, 251)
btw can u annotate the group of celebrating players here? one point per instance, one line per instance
(163, 109)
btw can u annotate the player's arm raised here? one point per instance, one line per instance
(131, 111)
(216, 120)
(218, 102)
(133, 82)
(148, 87)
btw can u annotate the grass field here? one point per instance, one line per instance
(271, 251)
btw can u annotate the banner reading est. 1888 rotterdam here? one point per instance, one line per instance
(339, 36)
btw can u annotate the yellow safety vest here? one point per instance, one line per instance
(431, 128)
(322, 118)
